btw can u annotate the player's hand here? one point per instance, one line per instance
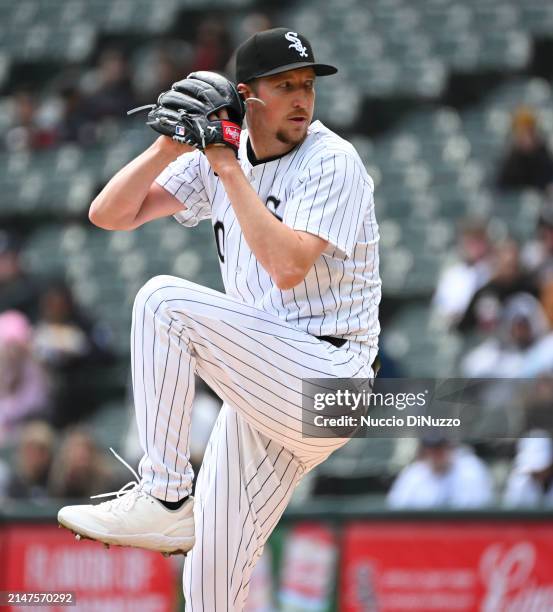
(183, 112)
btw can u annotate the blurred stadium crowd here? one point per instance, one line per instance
(450, 106)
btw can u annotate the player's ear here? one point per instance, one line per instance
(244, 90)
(248, 94)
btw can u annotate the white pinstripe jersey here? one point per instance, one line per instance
(320, 187)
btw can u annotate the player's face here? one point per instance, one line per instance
(289, 99)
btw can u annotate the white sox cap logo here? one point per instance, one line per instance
(296, 43)
(273, 51)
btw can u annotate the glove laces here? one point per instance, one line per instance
(138, 109)
(127, 494)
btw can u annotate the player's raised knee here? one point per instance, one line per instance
(156, 288)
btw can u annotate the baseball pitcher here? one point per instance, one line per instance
(292, 211)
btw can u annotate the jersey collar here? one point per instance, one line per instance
(256, 162)
(249, 162)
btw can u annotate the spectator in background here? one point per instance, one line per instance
(34, 453)
(545, 287)
(212, 46)
(536, 401)
(18, 290)
(538, 360)
(69, 345)
(459, 282)
(109, 90)
(537, 254)
(538, 259)
(26, 132)
(24, 386)
(64, 335)
(503, 355)
(528, 162)
(74, 125)
(79, 469)
(158, 67)
(530, 484)
(484, 310)
(443, 476)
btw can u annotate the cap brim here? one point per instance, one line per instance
(320, 69)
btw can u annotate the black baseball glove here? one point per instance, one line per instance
(185, 113)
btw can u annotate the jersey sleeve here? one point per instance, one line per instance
(183, 179)
(330, 200)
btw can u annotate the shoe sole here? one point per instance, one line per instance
(107, 541)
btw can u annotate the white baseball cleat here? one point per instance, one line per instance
(133, 518)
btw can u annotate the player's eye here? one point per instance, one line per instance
(284, 85)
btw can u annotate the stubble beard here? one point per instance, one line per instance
(287, 139)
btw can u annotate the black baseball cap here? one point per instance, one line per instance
(277, 50)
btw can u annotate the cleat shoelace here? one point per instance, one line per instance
(127, 494)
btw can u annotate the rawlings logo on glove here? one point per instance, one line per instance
(231, 133)
(187, 112)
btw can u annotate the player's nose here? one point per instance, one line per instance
(300, 98)
(300, 101)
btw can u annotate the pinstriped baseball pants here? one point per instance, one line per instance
(256, 453)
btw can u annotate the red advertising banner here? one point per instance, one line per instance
(308, 568)
(43, 558)
(458, 567)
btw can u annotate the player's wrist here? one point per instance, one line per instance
(222, 160)
(171, 148)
